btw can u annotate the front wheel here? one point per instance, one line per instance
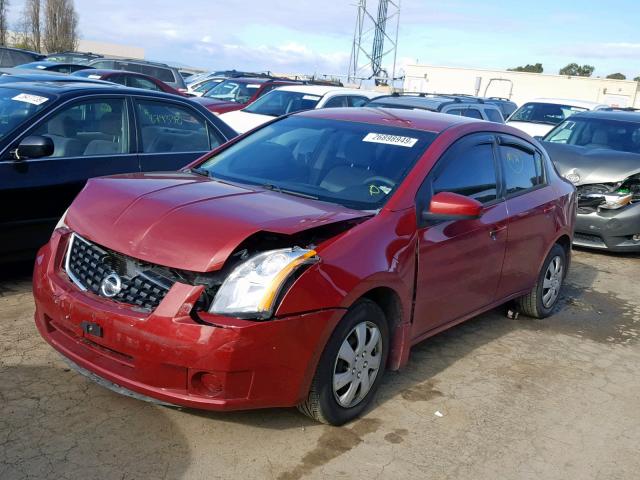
(351, 366)
(539, 302)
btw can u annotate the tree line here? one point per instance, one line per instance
(572, 70)
(44, 26)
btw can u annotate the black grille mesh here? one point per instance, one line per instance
(89, 264)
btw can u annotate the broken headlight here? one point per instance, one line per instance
(628, 192)
(252, 288)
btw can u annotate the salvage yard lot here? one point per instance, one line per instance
(540, 399)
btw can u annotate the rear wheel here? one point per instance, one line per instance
(544, 295)
(351, 366)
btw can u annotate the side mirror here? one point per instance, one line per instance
(34, 146)
(451, 206)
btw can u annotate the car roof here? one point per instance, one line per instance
(46, 77)
(320, 90)
(430, 101)
(619, 115)
(391, 117)
(569, 102)
(72, 87)
(2, 47)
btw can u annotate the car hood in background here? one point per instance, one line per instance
(218, 106)
(533, 129)
(186, 221)
(242, 121)
(592, 165)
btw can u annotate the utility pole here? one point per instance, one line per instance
(375, 41)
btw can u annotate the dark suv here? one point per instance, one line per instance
(11, 57)
(471, 107)
(169, 75)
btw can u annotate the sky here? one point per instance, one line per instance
(312, 36)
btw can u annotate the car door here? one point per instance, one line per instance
(172, 134)
(532, 205)
(91, 138)
(460, 261)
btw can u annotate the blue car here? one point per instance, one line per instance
(56, 135)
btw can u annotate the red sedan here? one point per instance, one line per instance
(293, 265)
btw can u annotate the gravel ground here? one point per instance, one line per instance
(539, 399)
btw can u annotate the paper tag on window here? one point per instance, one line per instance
(94, 77)
(390, 139)
(253, 86)
(32, 99)
(310, 97)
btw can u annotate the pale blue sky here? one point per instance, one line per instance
(309, 36)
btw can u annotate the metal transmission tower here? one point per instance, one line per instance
(374, 30)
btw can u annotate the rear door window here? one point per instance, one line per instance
(337, 102)
(168, 127)
(494, 115)
(472, 113)
(522, 168)
(356, 101)
(89, 128)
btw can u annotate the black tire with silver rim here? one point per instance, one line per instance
(539, 303)
(351, 366)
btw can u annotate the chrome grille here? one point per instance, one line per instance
(88, 264)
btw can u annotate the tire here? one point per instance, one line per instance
(348, 400)
(542, 298)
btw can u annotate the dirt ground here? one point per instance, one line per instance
(517, 399)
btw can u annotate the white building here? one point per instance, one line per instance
(520, 87)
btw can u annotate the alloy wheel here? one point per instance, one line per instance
(357, 364)
(552, 281)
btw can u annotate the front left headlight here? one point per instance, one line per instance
(252, 288)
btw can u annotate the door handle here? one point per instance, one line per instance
(496, 230)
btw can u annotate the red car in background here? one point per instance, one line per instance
(236, 93)
(293, 265)
(129, 79)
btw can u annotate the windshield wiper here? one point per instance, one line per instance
(200, 171)
(275, 188)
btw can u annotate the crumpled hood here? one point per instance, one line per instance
(186, 221)
(593, 165)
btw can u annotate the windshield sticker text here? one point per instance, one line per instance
(32, 99)
(390, 139)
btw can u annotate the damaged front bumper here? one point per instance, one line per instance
(226, 364)
(614, 230)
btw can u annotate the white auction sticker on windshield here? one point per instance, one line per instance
(32, 99)
(310, 97)
(397, 140)
(253, 86)
(94, 77)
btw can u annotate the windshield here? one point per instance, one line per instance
(16, 107)
(207, 85)
(598, 133)
(282, 102)
(233, 91)
(352, 164)
(546, 113)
